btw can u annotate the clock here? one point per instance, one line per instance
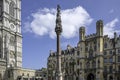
(12, 27)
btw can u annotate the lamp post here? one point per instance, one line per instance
(58, 30)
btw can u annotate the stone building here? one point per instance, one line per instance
(96, 57)
(11, 44)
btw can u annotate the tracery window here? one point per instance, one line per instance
(105, 45)
(11, 9)
(91, 54)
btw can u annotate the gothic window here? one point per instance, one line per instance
(105, 60)
(78, 71)
(105, 68)
(77, 62)
(98, 63)
(81, 65)
(95, 47)
(110, 52)
(105, 53)
(87, 65)
(105, 45)
(78, 53)
(110, 69)
(86, 49)
(119, 68)
(94, 64)
(94, 41)
(111, 59)
(66, 64)
(73, 50)
(91, 54)
(11, 9)
(118, 51)
(118, 58)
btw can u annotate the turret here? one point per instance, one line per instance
(99, 28)
(82, 33)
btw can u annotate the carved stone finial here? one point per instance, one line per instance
(58, 8)
(58, 28)
(58, 19)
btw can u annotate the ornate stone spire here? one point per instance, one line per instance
(58, 28)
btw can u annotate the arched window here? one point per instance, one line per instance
(11, 8)
(91, 53)
(105, 45)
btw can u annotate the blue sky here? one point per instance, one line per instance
(38, 22)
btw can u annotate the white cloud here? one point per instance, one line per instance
(109, 28)
(43, 21)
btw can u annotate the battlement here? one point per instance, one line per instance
(91, 36)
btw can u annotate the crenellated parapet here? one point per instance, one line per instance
(91, 36)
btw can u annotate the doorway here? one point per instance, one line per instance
(90, 77)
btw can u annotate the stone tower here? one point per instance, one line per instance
(99, 28)
(99, 59)
(82, 33)
(58, 30)
(10, 33)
